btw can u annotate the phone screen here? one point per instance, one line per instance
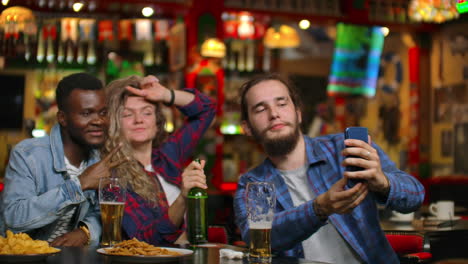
(357, 133)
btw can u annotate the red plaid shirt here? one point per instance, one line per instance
(152, 224)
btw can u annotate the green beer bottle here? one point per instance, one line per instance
(196, 215)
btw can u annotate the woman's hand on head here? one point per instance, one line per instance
(151, 90)
(193, 176)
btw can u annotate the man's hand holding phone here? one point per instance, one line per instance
(362, 161)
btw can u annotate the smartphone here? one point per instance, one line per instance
(355, 133)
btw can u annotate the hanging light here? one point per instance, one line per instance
(147, 11)
(213, 48)
(304, 24)
(385, 31)
(282, 37)
(5, 2)
(17, 14)
(432, 11)
(92, 5)
(18, 17)
(77, 6)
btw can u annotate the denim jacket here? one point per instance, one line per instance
(38, 189)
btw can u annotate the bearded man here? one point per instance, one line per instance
(317, 216)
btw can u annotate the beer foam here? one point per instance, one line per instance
(260, 225)
(112, 203)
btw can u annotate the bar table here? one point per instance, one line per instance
(202, 255)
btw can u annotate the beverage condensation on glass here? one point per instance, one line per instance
(261, 201)
(112, 196)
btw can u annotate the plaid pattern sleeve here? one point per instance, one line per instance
(170, 159)
(360, 228)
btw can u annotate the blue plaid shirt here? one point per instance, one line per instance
(360, 228)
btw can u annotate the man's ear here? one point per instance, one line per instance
(246, 127)
(299, 116)
(61, 118)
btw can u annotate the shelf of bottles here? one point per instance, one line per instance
(388, 11)
(243, 34)
(82, 41)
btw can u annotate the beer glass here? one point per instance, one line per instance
(261, 200)
(112, 196)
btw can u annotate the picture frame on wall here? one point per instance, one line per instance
(177, 48)
(443, 144)
(443, 104)
(450, 103)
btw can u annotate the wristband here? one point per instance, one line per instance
(171, 101)
(86, 231)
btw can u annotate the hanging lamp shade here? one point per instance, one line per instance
(17, 15)
(432, 11)
(281, 37)
(213, 48)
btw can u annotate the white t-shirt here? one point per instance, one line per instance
(326, 245)
(64, 223)
(172, 191)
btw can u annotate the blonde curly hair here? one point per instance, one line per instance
(131, 172)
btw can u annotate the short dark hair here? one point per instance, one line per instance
(83, 81)
(267, 77)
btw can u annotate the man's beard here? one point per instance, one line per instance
(85, 144)
(280, 146)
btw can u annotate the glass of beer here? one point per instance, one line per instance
(112, 196)
(261, 201)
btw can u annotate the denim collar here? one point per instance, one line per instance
(56, 145)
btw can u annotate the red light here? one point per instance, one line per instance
(228, 186)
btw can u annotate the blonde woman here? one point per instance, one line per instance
(157, 188)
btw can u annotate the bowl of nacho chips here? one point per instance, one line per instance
(21, 247)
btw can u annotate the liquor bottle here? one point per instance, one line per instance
(196, 215)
